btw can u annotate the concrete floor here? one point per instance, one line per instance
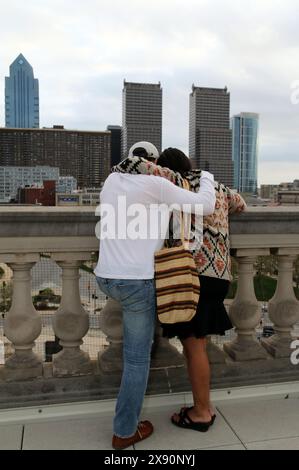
(257, 423)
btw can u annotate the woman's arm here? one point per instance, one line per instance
(235, 201)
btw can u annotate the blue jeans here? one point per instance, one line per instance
(138, 302)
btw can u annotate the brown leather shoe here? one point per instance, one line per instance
(144, 430)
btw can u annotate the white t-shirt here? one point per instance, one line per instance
(130, 233)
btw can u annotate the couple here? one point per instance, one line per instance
(125, 272)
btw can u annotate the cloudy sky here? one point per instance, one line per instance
(81, 51)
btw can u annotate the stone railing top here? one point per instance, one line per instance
(40, 229)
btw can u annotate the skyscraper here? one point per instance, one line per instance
(142, 115)
(210, 136)
(115, 144)
(21, 95)
(245, 151)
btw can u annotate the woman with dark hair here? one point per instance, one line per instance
(212, 259)
(176, 160)
(210, 319)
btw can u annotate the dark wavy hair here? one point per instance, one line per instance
(175, 160)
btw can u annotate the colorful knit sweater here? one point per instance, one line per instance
(213, 257)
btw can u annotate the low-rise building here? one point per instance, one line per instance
(268, 191)
(87, 197)
(14, 177)
(66, 184)
(283, 193)
(288, 197)
(38, 194)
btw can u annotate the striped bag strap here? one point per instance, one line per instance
(185, 222)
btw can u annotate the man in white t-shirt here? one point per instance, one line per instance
(133, 228)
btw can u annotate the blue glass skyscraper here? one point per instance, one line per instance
(245, 127)
(21, 96)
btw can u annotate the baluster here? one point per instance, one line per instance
(215, 354)
(164, 354)
(283, 308)
(22, 324)
(71, 321)
(244, 311)
(111, 359)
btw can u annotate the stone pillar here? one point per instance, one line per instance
(22, 323)
(244, 311)
(163, 353)
(215, 354)
(111, 359)
(283, 307)
(71, 321)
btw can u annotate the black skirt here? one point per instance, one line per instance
(211, 317)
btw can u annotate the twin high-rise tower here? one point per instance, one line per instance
(210, 137)
(142, 115)
(21, 96)
(227, 148)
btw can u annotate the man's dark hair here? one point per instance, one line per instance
(140, 152)
(175, 160)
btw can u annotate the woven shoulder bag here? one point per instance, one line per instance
(177, 283)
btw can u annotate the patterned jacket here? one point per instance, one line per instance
(213, 257)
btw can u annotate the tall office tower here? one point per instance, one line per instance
(21, 96)
(115, 144)
(85, 155)
(142, 115)
(210, 136)
(245, 127)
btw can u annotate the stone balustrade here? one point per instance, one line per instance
(67, 235)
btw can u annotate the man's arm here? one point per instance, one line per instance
(172, 194)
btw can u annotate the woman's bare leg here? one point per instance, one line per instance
(199, 375)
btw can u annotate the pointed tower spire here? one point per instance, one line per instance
(21, 95)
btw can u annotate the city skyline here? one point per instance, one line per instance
(82, 56)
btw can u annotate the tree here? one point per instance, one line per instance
(44, 297)
(47, 292)
(267, 265)
(6, 296)
(296, 273)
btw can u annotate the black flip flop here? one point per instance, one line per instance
(186, 422)
(213, 416)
